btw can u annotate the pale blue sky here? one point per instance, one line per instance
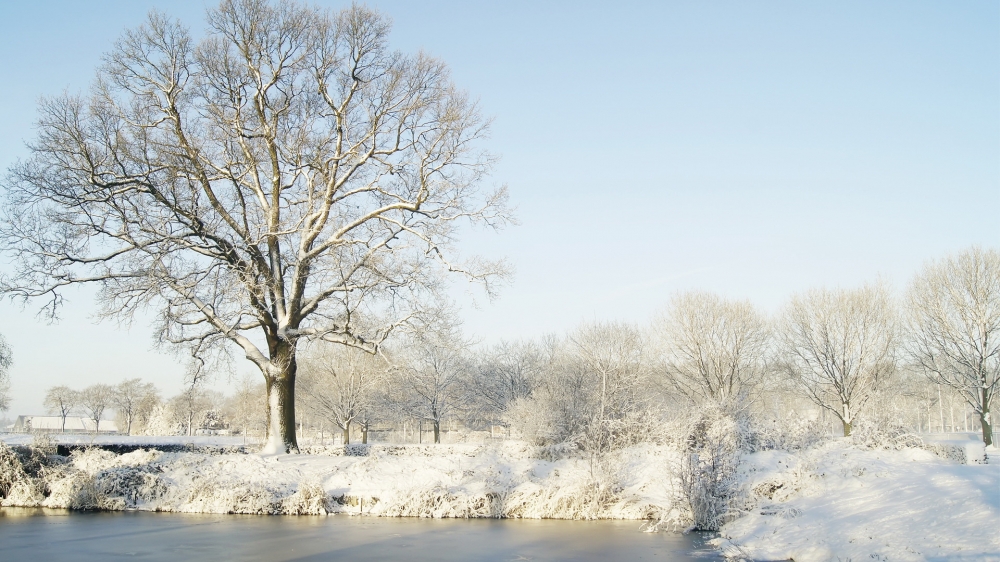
(756, 149)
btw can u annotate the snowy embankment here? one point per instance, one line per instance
(825, 502)
(500, 480)
(837, 502)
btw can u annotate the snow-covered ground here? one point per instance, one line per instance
(832, 501)
(836, 502)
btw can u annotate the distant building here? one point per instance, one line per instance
(54, 424)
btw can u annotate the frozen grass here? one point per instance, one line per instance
(502, 480)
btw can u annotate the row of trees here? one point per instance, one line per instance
(850, 352)
(139, 409)
(132, 399)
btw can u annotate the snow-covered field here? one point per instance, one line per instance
(828, 502)
(836, 502)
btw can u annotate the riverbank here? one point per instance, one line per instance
(505, 479)
(819, 503)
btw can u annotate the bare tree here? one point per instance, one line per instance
(954, 321)
(841, 346)
(503, 374)
(281, 179)
(614, 355)
(6, 360)
(431, 373)
(714, 350)
(339, 385)
(94, 400)
(61, 400)
(191, 406)
(134, 399)
(245, 407)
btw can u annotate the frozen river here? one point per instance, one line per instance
(35, 534)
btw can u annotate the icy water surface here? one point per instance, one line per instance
(36, 534)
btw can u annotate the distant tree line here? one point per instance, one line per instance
(847, 355)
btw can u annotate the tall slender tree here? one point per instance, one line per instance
(6, 360)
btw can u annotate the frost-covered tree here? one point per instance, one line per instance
(340, 385)
(279, 179)
(595, 383)
(134, 400)
(6, 360)
(954, 321)
(431, 371)
(245, 407)
(190, 406)
(613, 354)
(713, 350)
(61, 400)
(841, 346)
(94, 400)
(501, 375)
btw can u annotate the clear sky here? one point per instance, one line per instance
(755, 149)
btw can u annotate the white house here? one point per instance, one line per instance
(54, 424)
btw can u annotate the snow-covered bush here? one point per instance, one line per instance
(888, 434)
(707, 470)
(791, 433)
(11, 471)
(163, 421)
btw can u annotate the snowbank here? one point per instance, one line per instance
(502, 480)
(835, 502)
(827, 502)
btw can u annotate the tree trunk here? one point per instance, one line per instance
(437, 431)
(846, 418)
(984, 419)
(364, 433)
(347, 433)
(280, 383)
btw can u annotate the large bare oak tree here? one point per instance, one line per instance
(287, 176)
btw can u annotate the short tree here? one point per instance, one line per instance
(190, 406)
(94, 400)
(134, 399)
(501, 375)
(954, 325)
(431, 373)
(279, 180)
(339, 385)
(841, 346)
(713, 350)
(61, 400)
(245, 407)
